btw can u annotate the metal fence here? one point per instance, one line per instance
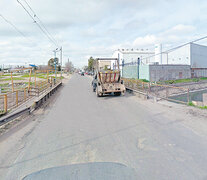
(159, 91)
(21, 92)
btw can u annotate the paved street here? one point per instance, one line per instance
(79, 127)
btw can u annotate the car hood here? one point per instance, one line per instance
(86, 171)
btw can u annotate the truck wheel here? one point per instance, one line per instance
(97, 94)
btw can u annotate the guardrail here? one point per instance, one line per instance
(11, 100)
(157, 90)
(31, 106)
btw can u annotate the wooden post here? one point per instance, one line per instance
(47, 76)
(12, 82)
(30, 73)
(149, 86)
(35, 79)
(5, 103)
(25, 95)
(188, 95)
(17, 98)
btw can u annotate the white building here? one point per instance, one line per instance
(132, 55)
(191, 54)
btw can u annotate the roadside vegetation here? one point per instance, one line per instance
(182, 80)
(141, 80)
(200, 107)
(14, 78)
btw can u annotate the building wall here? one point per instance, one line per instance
(132, 56)
(130, 71)
(198, 56)
(144, 72)
(198, 72)
(179, 56)
(157, 72)
(169, 72)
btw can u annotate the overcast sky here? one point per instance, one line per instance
(97, 27)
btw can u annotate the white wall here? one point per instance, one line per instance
(179, 56)
(132, 56)
(198, 56)
(158, 55)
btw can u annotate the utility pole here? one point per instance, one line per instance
(68, 66)
(61, 61)
(55, 64)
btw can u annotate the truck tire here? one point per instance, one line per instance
(98, 94)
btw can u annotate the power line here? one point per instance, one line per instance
(35, 15)
(43, 31)
(10, 23)
(177, 47)
(17, 30)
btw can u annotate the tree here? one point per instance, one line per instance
(51, 62)
(85, 68)
(69, 66)
(91, 63)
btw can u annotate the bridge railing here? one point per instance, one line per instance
(11, 100)
(172, 93)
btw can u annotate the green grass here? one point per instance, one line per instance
(143, 80)
(27, 75)
(182, 80)
(203, 78)
(4, 84)
(5, 75)
(37, 75)
(193, 105)
(203, 107)
(14, 78)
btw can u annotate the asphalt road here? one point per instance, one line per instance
(81, 128)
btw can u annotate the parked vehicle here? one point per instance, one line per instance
(106, 80)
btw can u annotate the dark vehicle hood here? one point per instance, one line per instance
(87, 171)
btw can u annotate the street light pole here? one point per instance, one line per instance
(55, 65)
(61, 58)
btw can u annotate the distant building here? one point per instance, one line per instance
(189, 61)
(191, 54)
(132, 55)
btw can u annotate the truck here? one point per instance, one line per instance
(107, 79)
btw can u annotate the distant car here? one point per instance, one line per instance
(82, 73)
